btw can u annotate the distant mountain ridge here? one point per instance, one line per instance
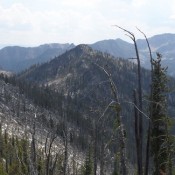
(163, 43)
(15, 58)
(116, 47)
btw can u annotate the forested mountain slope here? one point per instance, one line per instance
(34, 125)
(70, 96)
(78, 74)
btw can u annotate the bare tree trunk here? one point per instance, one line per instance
(33, 147)
(54, 164)
(137, 131)
(95, 148)
(65, 153)
(151, 109)
(102, 159)
(121, 132)
(140, 114)
(48, 153)
(140, 144)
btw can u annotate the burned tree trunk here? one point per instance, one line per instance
(140, 122)
(121, 132)
(151, 108)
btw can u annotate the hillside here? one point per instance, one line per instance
(77, 74)
(71, 94)
(26, 118)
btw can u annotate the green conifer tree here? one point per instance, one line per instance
(88, 163)
(160, 136)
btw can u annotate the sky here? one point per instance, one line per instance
(31, 23)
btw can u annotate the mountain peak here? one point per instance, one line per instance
(84, 47)
(57, 45)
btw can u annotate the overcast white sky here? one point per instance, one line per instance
(27, 22)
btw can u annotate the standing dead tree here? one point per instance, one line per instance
(50, 163)
(65, 133)
(139, 129)
(136, 114)
(65, 139)
(151, 107)
(100, 131)
(33, 149)
(121, 132)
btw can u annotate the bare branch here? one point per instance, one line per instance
(138, 109)
(127, 31)
(150, 52)
(112, 84)
(105, 110)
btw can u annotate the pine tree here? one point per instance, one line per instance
(116, 167)
(160, 136)
(88, 163)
